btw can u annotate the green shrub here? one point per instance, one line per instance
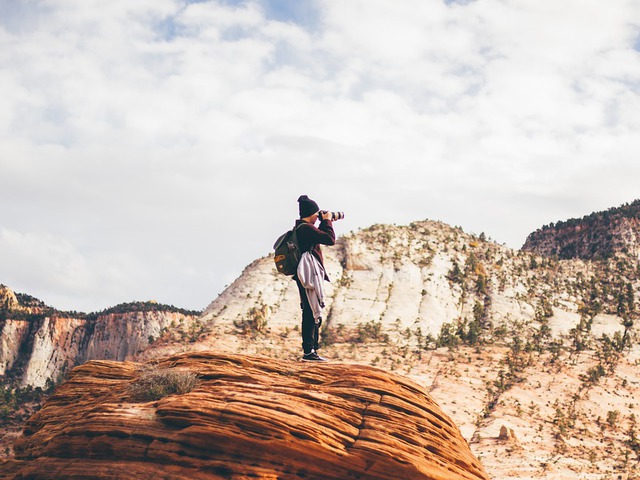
(448, 336)
(370, 331)
(255, 322)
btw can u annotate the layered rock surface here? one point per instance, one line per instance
(249, 417)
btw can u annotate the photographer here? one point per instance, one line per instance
(310, 238)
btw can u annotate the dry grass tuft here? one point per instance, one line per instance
(156, 383)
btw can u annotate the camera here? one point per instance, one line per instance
(334, 215)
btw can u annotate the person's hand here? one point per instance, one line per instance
(325, 215)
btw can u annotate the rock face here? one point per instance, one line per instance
(39, 344)
(417, 278)
(249, 417)
(384, 274)
(597, 236)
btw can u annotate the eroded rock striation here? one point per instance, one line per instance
(248, 417)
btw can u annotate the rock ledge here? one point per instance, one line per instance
(249, 417)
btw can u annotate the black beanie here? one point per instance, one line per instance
(307, 206)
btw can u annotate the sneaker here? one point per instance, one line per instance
(313, 357)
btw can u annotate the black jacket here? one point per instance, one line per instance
(311, 237)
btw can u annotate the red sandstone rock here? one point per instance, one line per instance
(249, 417)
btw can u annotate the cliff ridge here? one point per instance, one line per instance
(39, 345)
(598, 236)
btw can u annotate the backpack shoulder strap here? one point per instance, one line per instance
(296, 227)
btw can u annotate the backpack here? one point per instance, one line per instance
(287, 252)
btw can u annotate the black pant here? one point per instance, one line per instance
(310, 331)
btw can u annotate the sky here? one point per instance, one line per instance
(152, 149)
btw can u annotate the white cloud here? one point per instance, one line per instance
(54, 266)
(154, 148)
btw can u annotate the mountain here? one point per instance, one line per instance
(241, 417)
(425, 279)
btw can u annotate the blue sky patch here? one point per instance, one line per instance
(301, 12)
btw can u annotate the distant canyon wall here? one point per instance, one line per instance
(598, 236)
(38, 346)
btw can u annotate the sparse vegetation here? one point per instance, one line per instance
(149, 306)
(17, 403)
(370, 331)
(255, 322)
(195, 330)
(32, 309)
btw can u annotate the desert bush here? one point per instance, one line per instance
(633, 442)
(332, 335)
(256, 320)
(519, 356)
(481, 284)
(196, 329)
(156, 383)
(564, 421)
(467, 332)
(447, 337)
(593, 376)
(581, 334)
(456, 275)
(612, 418)
(370, 331)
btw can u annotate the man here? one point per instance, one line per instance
(310, 238)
